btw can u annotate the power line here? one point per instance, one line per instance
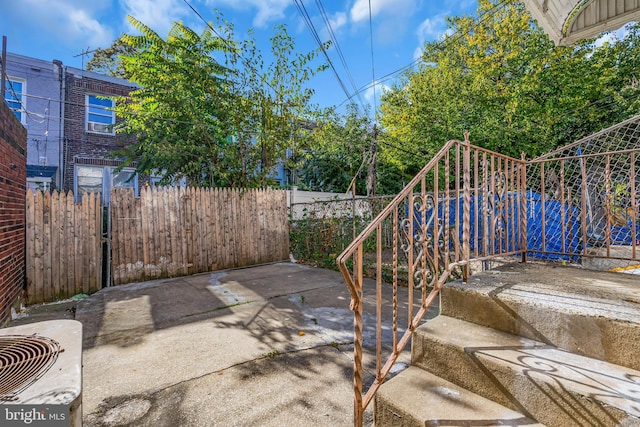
(334, 39)
(448, 39)
(307, 19)
(373, 71)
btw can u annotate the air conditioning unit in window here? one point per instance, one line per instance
(98, 127)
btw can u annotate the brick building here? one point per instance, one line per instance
(13, 148)
(90, 140)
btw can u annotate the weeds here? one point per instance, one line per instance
(273, 354)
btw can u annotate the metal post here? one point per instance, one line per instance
(523, 208)
(4, 66)
(353, 207)
(466, 213)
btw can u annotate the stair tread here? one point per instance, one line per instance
(429, 400)
(595, 379)
(574, 290)
(593, 313)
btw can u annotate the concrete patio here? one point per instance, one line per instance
(261, 346)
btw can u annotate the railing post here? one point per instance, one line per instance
(358, 410)
(466, 219)
(523, 208)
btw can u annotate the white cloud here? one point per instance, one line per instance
(390, 17)
(71, 21)
(613, 37)
(84, 27)
(338, 20)
(360, 9)
(380, 89)
(434, 28)
(159, 15)
(417, 53)
(267, 10)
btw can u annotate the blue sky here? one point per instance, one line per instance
(62, 29)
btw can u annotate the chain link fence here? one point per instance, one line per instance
(321, 230)
(584, 197)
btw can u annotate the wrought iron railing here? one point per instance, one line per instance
(438, 230)
(469, 205)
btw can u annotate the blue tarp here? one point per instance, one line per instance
(509, 216)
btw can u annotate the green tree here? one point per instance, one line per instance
(273, 104)
(107, 61)
(178, 115)
(340, 151)
(206, 109)
(498, 76)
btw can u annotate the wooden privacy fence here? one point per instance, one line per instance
(169, 232)
(63, 245)
(166, 232)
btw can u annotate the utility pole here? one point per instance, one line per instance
(371, 170)
(4, 66)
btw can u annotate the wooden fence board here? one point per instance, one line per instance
(69, 239)
(30, 237)
(55, 243)
(63, 246)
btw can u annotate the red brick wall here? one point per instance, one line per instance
(13, 176)
(80, 144)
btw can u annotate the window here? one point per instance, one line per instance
(14, 95)
(100, 179)
(88, 180)
(38, 183)
(100, 117)
(125, 178)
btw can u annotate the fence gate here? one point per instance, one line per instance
(63, 245)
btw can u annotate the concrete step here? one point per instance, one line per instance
(418, 398)
(593, 313)
(552, 386)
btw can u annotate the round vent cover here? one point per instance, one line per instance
(23, 360)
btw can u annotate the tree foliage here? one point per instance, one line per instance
(497, 75)
(107, 61)
(339, 147)
(208, 109)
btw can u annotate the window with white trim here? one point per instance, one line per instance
(100, 116)
(14, 96)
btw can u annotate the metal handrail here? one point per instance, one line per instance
(432, 253)
(469, 205)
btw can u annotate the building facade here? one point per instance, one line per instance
(89, 139)
(33, 93)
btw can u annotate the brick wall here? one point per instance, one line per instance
(81, 146)
(13, 175)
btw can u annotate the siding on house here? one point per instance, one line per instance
(41, 107)
(13, 148)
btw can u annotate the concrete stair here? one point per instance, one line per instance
(449, 405)
(522, 345)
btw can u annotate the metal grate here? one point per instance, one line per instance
(23, 360)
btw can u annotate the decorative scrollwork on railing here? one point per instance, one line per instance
(420, 238)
